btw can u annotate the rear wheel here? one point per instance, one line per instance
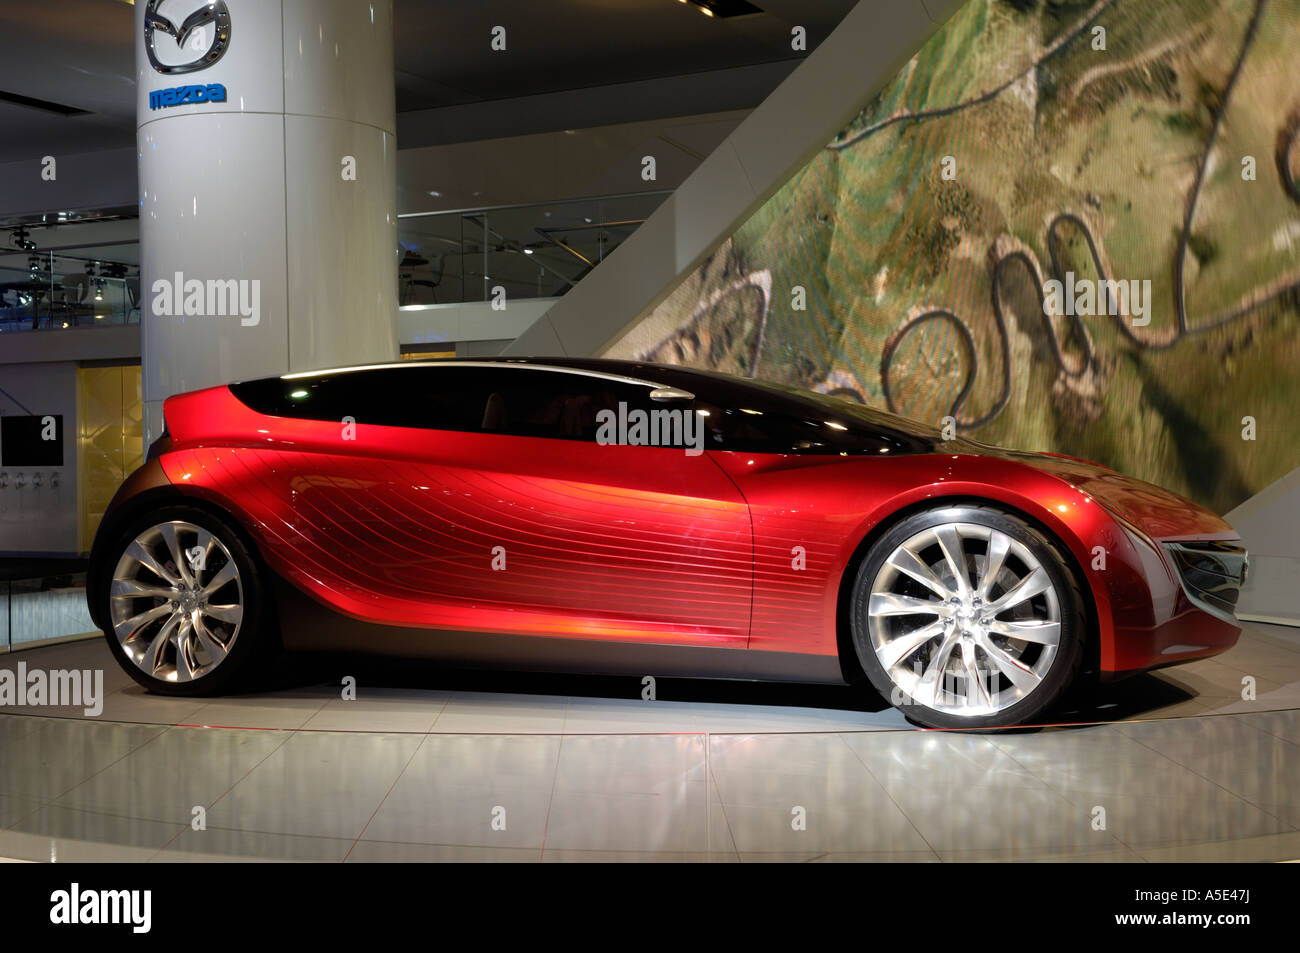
(185, 602)
(966, 616)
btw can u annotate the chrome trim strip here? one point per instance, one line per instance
(581, 372)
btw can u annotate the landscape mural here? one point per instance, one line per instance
(1067, 226)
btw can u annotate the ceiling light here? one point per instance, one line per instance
(725, 9)
(44, 105)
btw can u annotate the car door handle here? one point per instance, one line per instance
(671, 393)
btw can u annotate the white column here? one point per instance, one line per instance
(267, 188)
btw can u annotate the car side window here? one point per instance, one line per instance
(556, 405)
(520, 401)
(435, 398)
(561, 405)
(750, 422)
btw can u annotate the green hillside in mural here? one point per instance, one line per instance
(1152, 142)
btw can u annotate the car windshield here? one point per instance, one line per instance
(850, 411)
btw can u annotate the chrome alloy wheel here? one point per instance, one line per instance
(176, 601)
(964, 619)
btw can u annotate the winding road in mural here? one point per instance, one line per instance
(1025, 258)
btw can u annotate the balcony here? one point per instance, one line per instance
(537, 250)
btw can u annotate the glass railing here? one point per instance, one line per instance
(538, 250)
(59, 293)
(43, 604)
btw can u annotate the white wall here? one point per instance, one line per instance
(468, 321)
(1269, 522)
(82, 181)
(554, 166)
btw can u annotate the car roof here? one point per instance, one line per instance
(610, 366)
(654, 375)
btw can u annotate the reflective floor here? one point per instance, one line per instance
(428, 765)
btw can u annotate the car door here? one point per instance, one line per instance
(488, 498)
(808, 467)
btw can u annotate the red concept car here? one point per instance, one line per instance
(613, 516)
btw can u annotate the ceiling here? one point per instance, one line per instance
(569, 164)
(74, 52)
(79, 53)
(443, 56)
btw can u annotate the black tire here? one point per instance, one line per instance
(254, 640)
(1061, 669)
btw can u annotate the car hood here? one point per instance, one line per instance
(1160, 513)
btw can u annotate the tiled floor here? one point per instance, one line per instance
(582, 769)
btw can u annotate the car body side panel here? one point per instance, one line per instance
(1160, 513)
(828, 505)
(482, 532)
(310, 625)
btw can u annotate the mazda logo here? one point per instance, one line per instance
(191, 36)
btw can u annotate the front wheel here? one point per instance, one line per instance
(185, 603)
(968, 617)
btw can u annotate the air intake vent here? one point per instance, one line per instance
(1212, 572)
